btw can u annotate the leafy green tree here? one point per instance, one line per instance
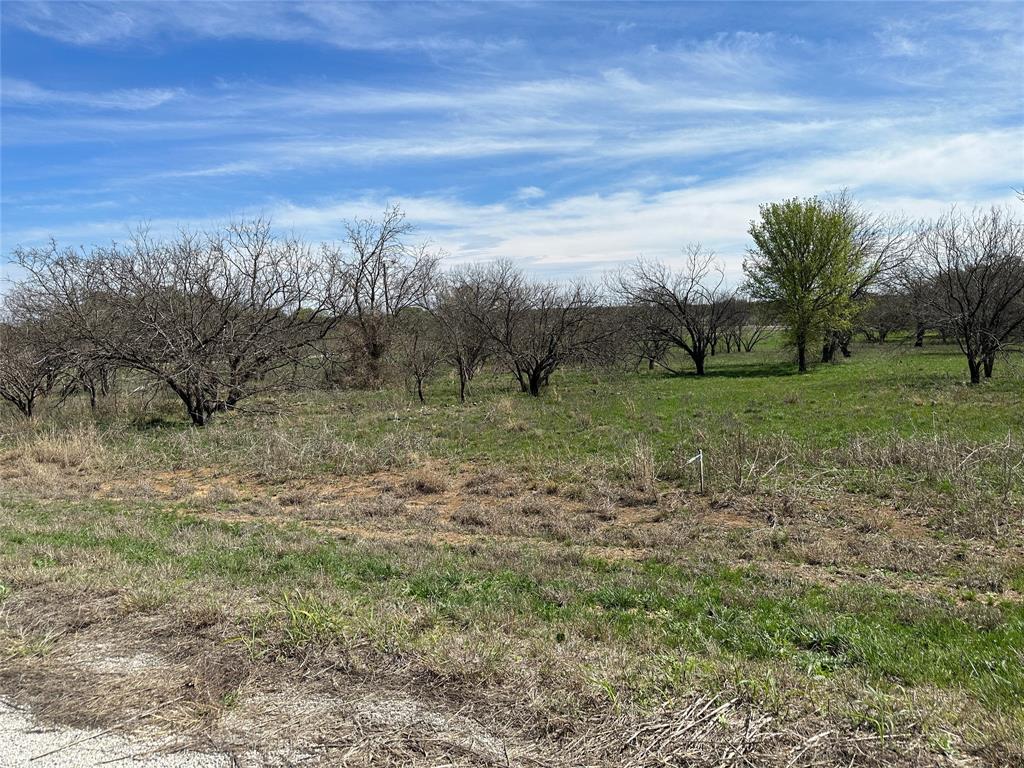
(805, 264)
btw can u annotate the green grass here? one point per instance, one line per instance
(856, 554)
(891, 418)
(881, 390)
(326, 590)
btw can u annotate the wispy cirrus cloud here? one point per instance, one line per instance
(23, 92)
(355, 26)
(596, 231)
(569, 137)
(590, 232)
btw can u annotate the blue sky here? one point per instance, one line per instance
(570, 137)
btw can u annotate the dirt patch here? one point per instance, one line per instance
(26, 741)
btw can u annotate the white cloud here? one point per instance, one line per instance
(599, 159)
(17, 91)
(921, 176)
(587, 232)
(529, 193)
(354, 26)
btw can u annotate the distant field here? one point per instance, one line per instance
(537, 581)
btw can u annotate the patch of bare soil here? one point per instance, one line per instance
(26, 741)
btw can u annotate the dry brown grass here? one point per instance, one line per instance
(223, 658)
(171, 673)
(641, 469)
(425, 481)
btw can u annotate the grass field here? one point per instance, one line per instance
(358, 579)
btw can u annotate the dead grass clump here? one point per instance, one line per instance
(603, 508)
(294, 497)
(743, 462)
(395, 450)
(535, 506)
(984, 579)
(275, 451)
(978, 517)
(502, 521)
(384, 506)
(426, 482)
(774, 539)
(18, 642)
(565, 529)
(875, 520)
(640, 467)
(259, 508)
(817, 551)
(631, 497)
(76, 448)
(181, 488)
(194, 616)
(493, 481)
(472, 515)
(221, 494)
(501, 409)
(975, 474)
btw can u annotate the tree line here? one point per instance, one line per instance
(217, 317)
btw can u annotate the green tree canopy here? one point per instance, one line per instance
(805, 265)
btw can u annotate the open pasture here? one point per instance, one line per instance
(537, 581)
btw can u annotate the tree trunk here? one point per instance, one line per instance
(419, 389)
(232, 399)
(801, 356)
(975, 368)
(828, 351)
(698, 361)
(536, 379)
(374, 368)
(988, 362)
(462, 384)
(919, 334)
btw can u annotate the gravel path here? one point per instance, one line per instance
(24, 742)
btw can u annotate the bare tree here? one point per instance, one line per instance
(535, 326)
(420, 347)
(383, 277)
(637, 346)
(689, 309)
(29, 365)
(748, 326)
(972, 265)
(917, 286)
(461, 297)
(212, 316)
(651, 348)
(881, 243)
(884, 314)
(83, 371)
